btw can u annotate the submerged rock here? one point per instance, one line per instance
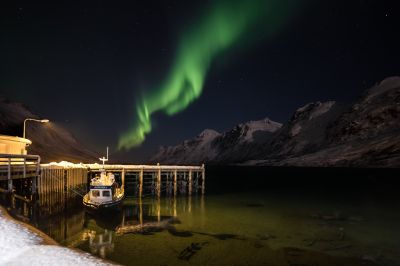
(145, 228)
(191, 250)
(265, 236)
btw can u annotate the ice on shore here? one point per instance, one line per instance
(20, 246)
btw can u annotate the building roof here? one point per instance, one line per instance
(16, 139)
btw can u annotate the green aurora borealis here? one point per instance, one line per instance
(223, 26)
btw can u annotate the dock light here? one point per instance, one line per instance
(35, 120)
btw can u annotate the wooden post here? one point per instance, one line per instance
(167, 184)
(38, 186)
(65, 177)
(184, 183)
(10, 182)
(123, 178)
(203, 179)
(35, 178)
(158, 180)
(140, 210)
(24, 173)
(12, 195)
(175, 212)
(34, 185)
(43, 182)
(190, 182)
(123, 217)
(190, 204)
(159, 210)
(175, 182)
(140, 183)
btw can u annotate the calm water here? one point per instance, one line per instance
(256, 223)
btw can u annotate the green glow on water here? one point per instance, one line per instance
(225, 25)
(233, 229)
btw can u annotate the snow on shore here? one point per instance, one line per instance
(20, 246)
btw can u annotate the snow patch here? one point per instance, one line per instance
(295, 130)
(321, 108)
(67, 164)
(208, 134)
(304, 108)
(20, 246)
(385, 85)
(314, 109)
(260, 125)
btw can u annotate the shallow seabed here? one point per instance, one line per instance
(239, 229)
(262, 224)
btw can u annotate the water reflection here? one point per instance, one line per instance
(101, 244)
(179, 229)
(144, 217)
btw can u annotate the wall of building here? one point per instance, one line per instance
(13, 145)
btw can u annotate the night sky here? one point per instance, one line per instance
(86, 64)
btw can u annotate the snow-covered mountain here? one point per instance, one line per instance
(51, 141)
(305, 132)
(199, 149)
(242, 142)
(211, 146)
(375, 114)
(365, 134)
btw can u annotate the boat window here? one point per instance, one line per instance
(95, 193)
(106, 193)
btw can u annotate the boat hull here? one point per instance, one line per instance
(113, 205)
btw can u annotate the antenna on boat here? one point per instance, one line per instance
(104, 159)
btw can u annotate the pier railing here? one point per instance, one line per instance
(13, 166)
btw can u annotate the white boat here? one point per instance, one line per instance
(104, 192)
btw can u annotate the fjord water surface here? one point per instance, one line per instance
(248, 217)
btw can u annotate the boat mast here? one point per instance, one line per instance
(104, 159)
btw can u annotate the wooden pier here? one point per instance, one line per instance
(56, 183)
(173, 179)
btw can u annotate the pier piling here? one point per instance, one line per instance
(203, 179)
(190, 182)
(141, 183)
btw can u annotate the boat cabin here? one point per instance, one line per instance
(100, 194)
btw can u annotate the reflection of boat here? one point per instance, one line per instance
(105, 192)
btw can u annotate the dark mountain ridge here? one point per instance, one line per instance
(363, 134)
(51, 141)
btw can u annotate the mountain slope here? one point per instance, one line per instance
(367, 134)
(211, 146)
(199, 149)
(364, 134)
(51, 141)
(242, 142)
(376, 113)
(305, 132)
